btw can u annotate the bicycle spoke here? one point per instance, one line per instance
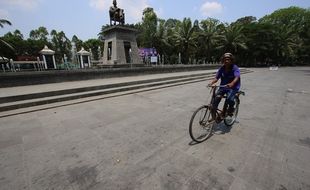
(230, 120)
(200, 128)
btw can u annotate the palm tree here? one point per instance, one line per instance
(209, 36)
(287, 40)
(185, 38)
(171, 51)
(61, 44)
(161, 42)
(259, 40)
(2, 23)
(149, 26)
(232, 39)
(39, 34)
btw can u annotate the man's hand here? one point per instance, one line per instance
(230, 85)
(212, 82)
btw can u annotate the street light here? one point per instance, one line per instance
(130, 59)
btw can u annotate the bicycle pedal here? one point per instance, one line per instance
(210, 120)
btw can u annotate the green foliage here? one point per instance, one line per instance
(209, 38)
(92, 46)
(78, 42)
(282, 37)
(149, 27)
(40, 34)
(292, 16)
(61, 44)
(291, 42)
(185, 38)
(245, 20)
(4, 45)
(232, 40)
(3, 22)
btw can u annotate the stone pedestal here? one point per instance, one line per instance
(120, 46)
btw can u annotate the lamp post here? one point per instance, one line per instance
(130, 58)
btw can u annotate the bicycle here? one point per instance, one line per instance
(207, 117)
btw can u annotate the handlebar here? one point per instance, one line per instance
(218, 86)
(223, 86)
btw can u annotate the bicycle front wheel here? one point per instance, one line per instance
(201, 124)
(231, 119)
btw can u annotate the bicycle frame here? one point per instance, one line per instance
(216, 113)
(203, 119)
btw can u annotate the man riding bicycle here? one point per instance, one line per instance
(229, 74)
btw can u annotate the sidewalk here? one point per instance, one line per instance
(20, 90)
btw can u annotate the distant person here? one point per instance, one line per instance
(229, 74)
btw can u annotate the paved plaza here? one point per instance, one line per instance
(141, 141)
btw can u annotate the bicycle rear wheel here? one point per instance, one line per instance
(200, 126)
(231, 119)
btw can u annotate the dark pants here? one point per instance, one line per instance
(231, 93)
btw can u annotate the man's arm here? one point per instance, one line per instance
(216, 78)
(236, 79)
(232, 83)
(213, 82)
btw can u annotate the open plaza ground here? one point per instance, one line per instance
(141, 140)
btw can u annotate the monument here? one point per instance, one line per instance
(120, 45)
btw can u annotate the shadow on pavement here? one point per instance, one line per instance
(218, 129)
(221, 129)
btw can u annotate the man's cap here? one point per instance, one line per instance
(228, 55)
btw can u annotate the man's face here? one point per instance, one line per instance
(227, 61)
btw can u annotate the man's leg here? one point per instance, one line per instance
(217, 99)
(231, 100)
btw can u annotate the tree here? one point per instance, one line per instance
(101, 33)
(259, 39)
(38, 38)
(161, 39)
(92, 45)
(291, 16)
(61, 44)
(303, 55)
(209, 37)
(149, 27)
(172, 23)
(16, 39)
(245, 20)
(39, 34)
(2, 23)
(285, 44)
(185, 39)
(292, 21)
(232, 39)
(78, 42)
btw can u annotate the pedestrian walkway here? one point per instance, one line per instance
(20, 90)
(24, 99)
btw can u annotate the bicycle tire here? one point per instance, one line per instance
(230, 120)
(203, 126)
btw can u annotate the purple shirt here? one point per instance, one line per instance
(228, 77)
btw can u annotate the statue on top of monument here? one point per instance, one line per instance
(116, 14)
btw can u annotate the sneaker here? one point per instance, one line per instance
(219, 118)
(230, 111)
